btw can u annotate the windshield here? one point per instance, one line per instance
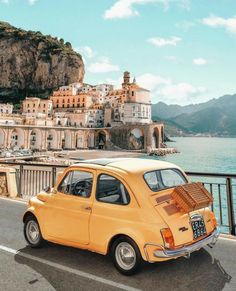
(163, 179)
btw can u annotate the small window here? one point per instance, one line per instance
(164, 179)
(111, 190)
(78, 183)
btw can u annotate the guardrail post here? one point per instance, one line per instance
(21, 180)
(230, 206)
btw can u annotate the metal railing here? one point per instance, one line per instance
(33, 177)
(223, 189)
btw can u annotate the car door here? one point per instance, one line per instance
(69, 209)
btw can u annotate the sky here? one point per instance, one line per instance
(183, 51)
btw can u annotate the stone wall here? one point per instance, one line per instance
(137, 137)
(3, 184)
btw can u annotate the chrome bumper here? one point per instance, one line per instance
(186, 251)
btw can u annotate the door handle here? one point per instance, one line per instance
(87, 208)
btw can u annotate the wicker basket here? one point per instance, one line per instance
(191, 197)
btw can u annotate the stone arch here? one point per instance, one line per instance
(80, 139)
(36, 139)
(136, 139)
(18, 138)
(2, 138)
(102, 137)
(52, 139)
(67, 142)
(156, 138)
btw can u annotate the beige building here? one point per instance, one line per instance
(35, 106)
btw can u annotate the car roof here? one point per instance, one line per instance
(131, 165)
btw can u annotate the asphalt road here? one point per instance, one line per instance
(56, 267)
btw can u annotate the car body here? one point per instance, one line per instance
(108, 205)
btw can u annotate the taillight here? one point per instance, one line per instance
(213, 219)
(168, 238)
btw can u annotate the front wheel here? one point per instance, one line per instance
(126, 256)
(32, 232)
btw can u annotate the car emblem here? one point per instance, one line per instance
(183, 228)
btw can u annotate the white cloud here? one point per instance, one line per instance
(152, 82)
(160, 41)
(103, 66)
(166, 90)
(32, 2)
(86, 51)
(200, 61)
(126, 9)
(215, 21)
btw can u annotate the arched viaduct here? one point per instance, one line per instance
(131, 137)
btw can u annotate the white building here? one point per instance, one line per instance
(6, 108)
(71, 89)
(137, 113)
(95, 117)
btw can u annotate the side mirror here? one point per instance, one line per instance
(47, 189)
(54, 191)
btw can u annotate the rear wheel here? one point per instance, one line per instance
(126, 256)
(32, 232)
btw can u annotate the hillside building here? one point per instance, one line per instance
(36, 107)
(6, 108)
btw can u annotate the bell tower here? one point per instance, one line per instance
(126, 79)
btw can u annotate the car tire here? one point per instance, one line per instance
(126, 256)
(32, 232)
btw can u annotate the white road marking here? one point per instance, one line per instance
(70, 270)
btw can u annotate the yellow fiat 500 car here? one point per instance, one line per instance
(121, 207)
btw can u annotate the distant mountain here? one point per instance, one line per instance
(217, 116)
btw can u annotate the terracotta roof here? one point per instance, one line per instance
(137, 87)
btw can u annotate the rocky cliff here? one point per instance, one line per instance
(33, 64)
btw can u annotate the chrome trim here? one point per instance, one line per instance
(187, 250)
(146, 252)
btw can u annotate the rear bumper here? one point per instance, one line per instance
(186, 251)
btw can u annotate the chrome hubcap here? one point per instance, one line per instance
(32, 231)
(125, 255)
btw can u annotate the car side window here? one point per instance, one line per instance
(111, 190)
(78, 183)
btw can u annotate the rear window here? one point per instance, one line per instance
(164, 179)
